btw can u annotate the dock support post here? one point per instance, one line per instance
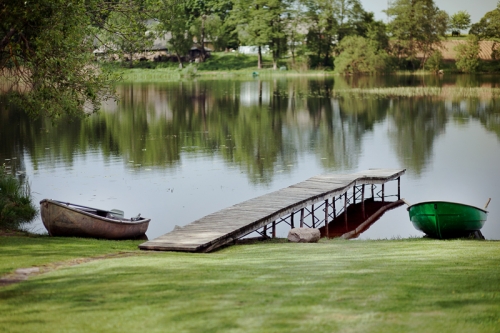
(383, 192)
(399, 188)
(363, 200)
(334, 209)
(291, 220)
(302, 218)
(326, 219)
(265, 231)
(274, 229)
(312, 214)
(373, 194)
(345, 209)
(354, 194)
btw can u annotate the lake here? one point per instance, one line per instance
(177, 151)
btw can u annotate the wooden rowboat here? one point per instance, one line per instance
(442, 219)
(70, 220)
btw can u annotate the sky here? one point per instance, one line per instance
(476, 8)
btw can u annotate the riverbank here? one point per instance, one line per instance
(335, 285)
(236, 66)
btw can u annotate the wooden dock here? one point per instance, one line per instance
(227, 225)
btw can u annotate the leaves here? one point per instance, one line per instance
(359, 55)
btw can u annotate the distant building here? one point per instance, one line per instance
(253, 49)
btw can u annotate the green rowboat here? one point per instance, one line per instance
(441, 219)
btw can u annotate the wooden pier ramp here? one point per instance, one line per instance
(227, 225)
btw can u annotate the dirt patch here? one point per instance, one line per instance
(4, 232)
(22, 274)
(449, 53)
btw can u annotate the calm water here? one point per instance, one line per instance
(175, 152)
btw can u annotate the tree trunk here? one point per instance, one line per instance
(259, 58)
(202, 57)
(179, 60)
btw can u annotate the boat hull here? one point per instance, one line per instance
(63, 220)
(441, 219)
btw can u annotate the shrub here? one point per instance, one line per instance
(434, 62)
(16, 206)
(468, 55)
(360, 55)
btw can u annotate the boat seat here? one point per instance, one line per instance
(116, 213)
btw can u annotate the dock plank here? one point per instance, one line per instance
(222, 227)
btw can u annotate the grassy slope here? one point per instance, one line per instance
(359, 286)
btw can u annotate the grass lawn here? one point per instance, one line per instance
(417, 285)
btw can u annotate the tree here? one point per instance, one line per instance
(459, 21)
(126, 34)
(46, 54)
(359, 55)
(261, 23)
(173, 19)
(416, 26)
(321, 35)
(330, 21)
(468, 55)
(489, 28)
(489, 25)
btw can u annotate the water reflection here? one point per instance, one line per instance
(266, 133)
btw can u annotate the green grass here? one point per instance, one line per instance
(22, 252)
(417, 285)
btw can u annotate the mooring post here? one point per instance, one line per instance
(363, 200)
(326, 219)
(399, 188)
(274, 229)
(302, 218)
(312, 214)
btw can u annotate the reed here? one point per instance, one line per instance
(453, 92)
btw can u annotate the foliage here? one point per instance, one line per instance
(416, 26)
(126, 31)
(208, 22)
(45, 50)
(332, 286)
(173, 19)
(434, 62)
(261, 23)
(16, 206)
(468, 55)
(489, 28)
(331, 21)
(359, 55)
(459, 21)
(489, 25)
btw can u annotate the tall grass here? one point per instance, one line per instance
(463, 92)
(16, 206)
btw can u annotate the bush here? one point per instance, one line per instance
(434, 62)
(16, 206)
(468, 55)
(360, 55)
